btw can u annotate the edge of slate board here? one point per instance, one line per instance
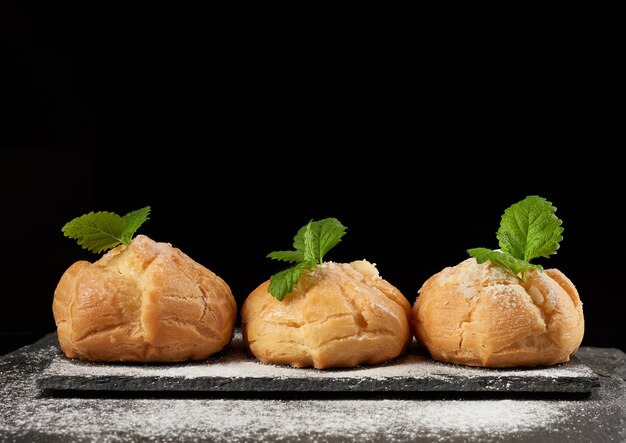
(246, 374)
(303, 384)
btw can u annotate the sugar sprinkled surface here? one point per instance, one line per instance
(26, 414)
(244, 420)
(235, 365)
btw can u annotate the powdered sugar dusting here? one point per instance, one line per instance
(235, 363)
(267, 420)
(263, 420)
(25, 411)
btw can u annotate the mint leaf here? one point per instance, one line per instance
(282, 282)
(515, 265)
(530, 229)
(311, 243)
(316, 238)
(96, 231)
(99, 231)
(288, 256)
(330, 232)
(133, 221)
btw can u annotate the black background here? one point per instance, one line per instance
(237, 135)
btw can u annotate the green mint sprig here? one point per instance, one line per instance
(528, 229)
(99, 231)
(311, 244)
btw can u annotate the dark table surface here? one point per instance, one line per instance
(29, 414)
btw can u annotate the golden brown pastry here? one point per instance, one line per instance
(482, 315)
(143, 302)
(338, 315)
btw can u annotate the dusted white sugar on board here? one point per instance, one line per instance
(234, 370)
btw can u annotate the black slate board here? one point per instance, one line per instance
(31, 415)
(234, 371)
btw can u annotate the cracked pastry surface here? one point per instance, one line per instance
(338, 315)
(482, 315)
(144, 302)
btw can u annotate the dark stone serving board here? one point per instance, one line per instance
(234, 370)
(29, 414)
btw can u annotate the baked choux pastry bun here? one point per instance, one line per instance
(325, 314)
(497, 309)
(338, 315)
(483, 315)
(145, 302)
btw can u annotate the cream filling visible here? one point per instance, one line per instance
(365, 268)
